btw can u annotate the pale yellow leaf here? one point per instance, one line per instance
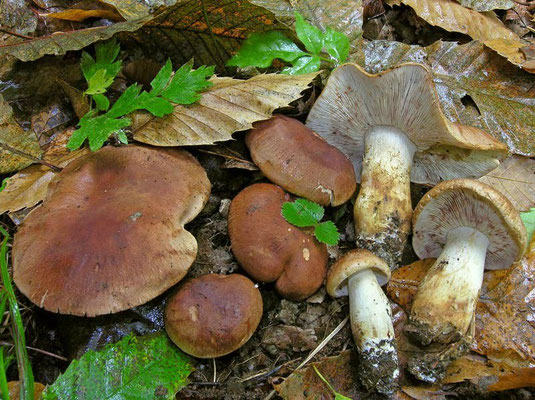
(230, 105)
(515, 178)
(482, 26)
(28, 187)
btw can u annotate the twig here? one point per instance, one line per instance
(16, 34)
(47, 353)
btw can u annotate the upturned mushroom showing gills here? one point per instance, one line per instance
(213, 315)
(110, 233)
(359, 274)
(269, 249)
(391, 127)
(301, 162)
(468, 226)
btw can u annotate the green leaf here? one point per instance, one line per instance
(126, 103)
(101, 102)
(303, 65)
(336, 44)
(262, 48)
(97, 130)
(155, 105)
(309, 35)
(99, 82)
(161, 79)
(105, 59)
(327, 232)
(146, 367)
(121, 135)
(186, 84)
(302, 213)
(529, 221)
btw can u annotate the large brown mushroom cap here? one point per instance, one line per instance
(110, 233)
(473, 204)
(353, 102)
(295, 158)
(213, 315)
(269, 248)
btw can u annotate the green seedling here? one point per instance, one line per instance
(304, 213)
(337, 396)
(261, 49)
(168, 88)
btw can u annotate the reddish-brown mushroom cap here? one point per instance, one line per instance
(294, 157)
(110, 233)
(213, 315)
(269, 248)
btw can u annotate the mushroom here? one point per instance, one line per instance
(213, 315)
(110, 233)
(391, 127)
(301, 162)
(359, 274)
(270, 249)
(470, 227)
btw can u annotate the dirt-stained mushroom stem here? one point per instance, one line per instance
(359, 274)
(444, 304)
(383, 210)
(373, 332)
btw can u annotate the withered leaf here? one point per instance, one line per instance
(228, 106)
(515, 178)
(475, 87)
(487, 5)
(15, 143)
(482, 26)
(79, 15)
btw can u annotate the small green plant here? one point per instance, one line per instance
(529, 221)
(262, 48)
(304, 213)
(337, 396)
(101, 121)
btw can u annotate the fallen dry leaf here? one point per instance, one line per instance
(79, 15)
(515, 178)
(487, 375)
(28, 187)
(14, 390)
(475, 86)
(487, 5)
(230, 105)
(482, 26)
(15, 142)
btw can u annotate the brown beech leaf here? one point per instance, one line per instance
(515, 178)
(14, 390)
(79, 15)
(487, 5)
(482, 26)
(135, 9)
(58, 43)
(489, 376)
(228, 106)
(475, 87)
(15, 143)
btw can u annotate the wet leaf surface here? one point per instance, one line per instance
(515, 178)
(484, 27)
(487, 5)
(14, 141)
(228, 106)
(475, 87)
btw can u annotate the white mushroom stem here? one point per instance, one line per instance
(444, 304)
(371, 324)
(383, 208)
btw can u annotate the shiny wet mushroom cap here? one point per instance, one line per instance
(295, 158)
(469, 226)
(110, 233)
(359, 274)
(270, 249)
(390, 125)
(213, 315)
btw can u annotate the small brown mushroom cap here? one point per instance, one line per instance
(351, 263)
(295, 158)
(110, 233)
(404, 97)
(213, 315)
(270, 249)
(473, 204)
